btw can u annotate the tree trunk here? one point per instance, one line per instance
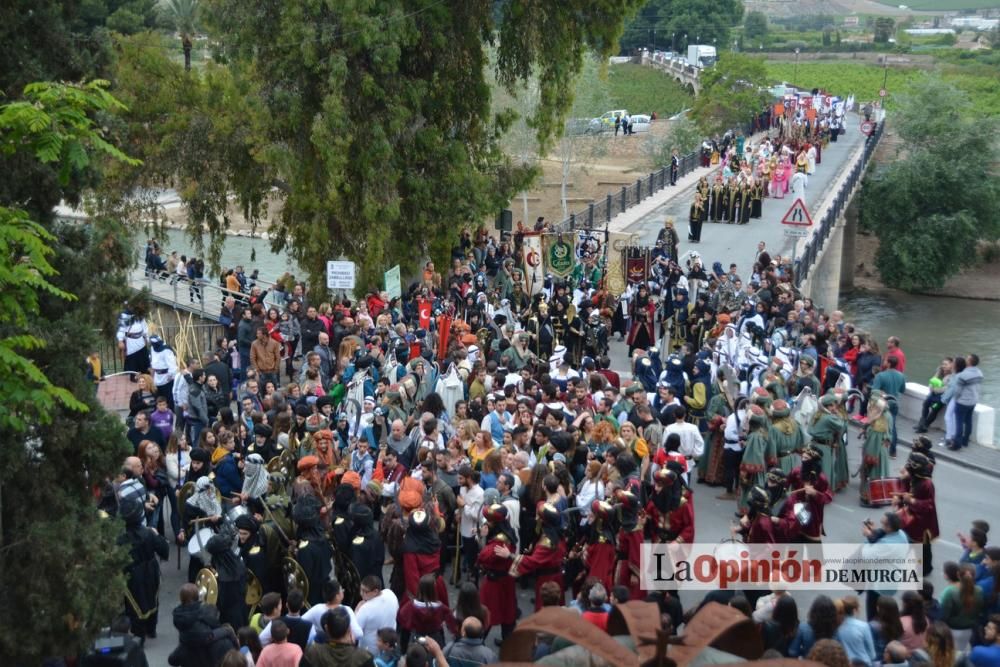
(524, 203)
(186, 42)
(562, 186)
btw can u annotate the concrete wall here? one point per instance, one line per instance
(983, 419)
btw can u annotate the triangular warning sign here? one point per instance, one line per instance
(798, 215)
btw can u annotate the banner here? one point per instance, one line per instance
(636, 265)
(614, 277)
(559, 260)
(393, 284)
(534, 271)
(424, 313)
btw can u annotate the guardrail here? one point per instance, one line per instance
(198, 339)
(814, 247)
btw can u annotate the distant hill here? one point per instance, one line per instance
(787, 8)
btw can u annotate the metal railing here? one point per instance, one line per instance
(600, 211)
(814, 247)
(187, 340)
(207, 298)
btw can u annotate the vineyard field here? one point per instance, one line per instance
(944, 5)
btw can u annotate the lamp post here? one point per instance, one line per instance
(795, 74)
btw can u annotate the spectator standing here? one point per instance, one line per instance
(967, 384)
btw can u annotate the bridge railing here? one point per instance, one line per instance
(187, 340)
(814, 247)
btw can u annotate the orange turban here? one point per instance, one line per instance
(724, 318)
(307, 463)
(411, 493)
(352, 478)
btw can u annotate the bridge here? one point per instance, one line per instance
(686, 75)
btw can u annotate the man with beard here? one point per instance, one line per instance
(757, 526)
(313, 551)
(308, 482)
(231, 574)
(629, 544)
(366, 548)
(142, 574)
(497, 589)
(546, 557)
(917, 506)
(807, 484)
(786, 435)
(670, 512)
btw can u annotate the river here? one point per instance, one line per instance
(237, 250)
(930, 328)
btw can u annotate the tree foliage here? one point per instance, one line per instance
(932, 204)
(681, 22)
(682, 136)
(755, 25)
(884, 28)
(732, 93)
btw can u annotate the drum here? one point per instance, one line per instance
(236, 512)
(198, 543)
(881, 491)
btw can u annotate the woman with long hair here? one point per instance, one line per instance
(940, 645)
(961, 602)
(822, 623)
(779, 631)
(143, 399)
(601, 439)
(480, 448)
(531, 494)
(426, 614)
(154, 477)
(468, 604)
(207, 440)
(178, 462)
(492, 466)
(914, 621)
(886, 626)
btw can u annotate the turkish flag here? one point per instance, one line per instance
(424, 311)
(444, 331)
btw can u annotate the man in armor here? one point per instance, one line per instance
(595, 336)
(543, 335)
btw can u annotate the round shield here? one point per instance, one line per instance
(254, 591)
(208, 586)
(295, 576)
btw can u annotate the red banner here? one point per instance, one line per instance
(443, 331)
(424, 311)
(636, 265)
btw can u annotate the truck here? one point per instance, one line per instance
(701, 55)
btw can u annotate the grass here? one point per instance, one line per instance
(943, 5)
(644, 90)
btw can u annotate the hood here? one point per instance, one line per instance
(188, 617)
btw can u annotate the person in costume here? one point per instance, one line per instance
(254, 552)
(746, 202)
(735, 202)
(757, 197)
(203, 509)
(497, 588)
(422, 552)
(804, 377)
(699, 393)
(758, 455)
(711, 465)
(757, 526)
(142, 574)
(518, 355)
(366, 550)
(546, 557)
(231, 573)
(630, 534)
(599, 553)
(641, 313)
(877, 438)
(717, 200)
(786, 434)
(670, 510)
(826, 433)
(695, 218)
(312, 550)
(771, 379)
(917, 506)
(807, 484)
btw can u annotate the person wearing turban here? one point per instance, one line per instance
(309, 482)
(497, 590)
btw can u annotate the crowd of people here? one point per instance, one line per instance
(331, 462)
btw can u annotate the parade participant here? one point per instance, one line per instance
(629, 543)
(313, 550)
(308, 483)
(786, 525)
(826, 433)
(757, 526)
(917, 506)
(231, 574)
(422, 553)
(543, 335)
(256, 555)
(700, 392)
(497, 586)
(716, 200)
(546, 557)
(804, 377)
(599, 551)
(670, 512)
(641, 314)
(807, 484)
(341, 529)
(366, 549)
(142, 574)
(695, 218)
(758, 455)
(595, 336)
(786, 435)
(877, 436)
(163, 363)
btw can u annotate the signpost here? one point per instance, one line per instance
(867, 127)
(882, 92)
(797, 223)
(393, 284)
(340, 275)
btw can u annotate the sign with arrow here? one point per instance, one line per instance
(797, 215)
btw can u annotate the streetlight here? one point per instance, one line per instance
(795, 75)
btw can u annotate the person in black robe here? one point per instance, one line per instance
(746, 203)
(142, 574)
(735, 202)
(254, 552)
(695, 218)
(340, 516)
(314, 553)
(641, 334)
(717, 199)
(367, 550)
(231, 573)
(758, 196)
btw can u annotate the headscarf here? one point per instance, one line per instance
(411, 494)
(256, 479)
(205, 498)
(421, 537)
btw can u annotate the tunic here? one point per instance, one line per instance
(678, 524)
(142, 577)
(629, 547)
(789, 440)
(545, 562)
(825, 433)
(599, 558)
(921, 521)
(813, 531)
(497, 589)
(758, 455)
(876, 447)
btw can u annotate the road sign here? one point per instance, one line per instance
(882, 92)
(796, 232)
(867, 127)
(797, 215)
(339, 275)
(393, 286)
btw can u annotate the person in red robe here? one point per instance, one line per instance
(807, 484)
(496, 588)
(546, 558)
(599, 553)
(917, 506)
(642, 312)
(422, 554)
(757, 525)
(670, 512)
(629, 545)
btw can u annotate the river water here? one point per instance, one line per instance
(237, 250)
(930, 328)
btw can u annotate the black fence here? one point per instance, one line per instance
(807, 260)
(600, 211)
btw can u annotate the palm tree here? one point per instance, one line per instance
(182, 17)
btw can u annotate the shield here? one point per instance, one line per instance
(254, 591)
(183, 494)
(275, 465)
(295, 576)
(347, 575)
(208, 586)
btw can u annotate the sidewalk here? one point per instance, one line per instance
(976, 457)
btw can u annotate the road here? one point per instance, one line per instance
(738, 243)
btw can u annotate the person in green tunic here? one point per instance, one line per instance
(762, 399)
(771, 379)
(878, 436)
(841, 469)
(710, 466)
(825, 434)
(804, 377)
(758, 456)
(787, 436)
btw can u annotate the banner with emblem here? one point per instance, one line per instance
(558, 253)
(614, 277)
(534, 270)
(636, 265)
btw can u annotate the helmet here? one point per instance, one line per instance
(776, 477)
(664, 476)
(601, 509)
(759, 499)
(780, 408)
(919, 465)
(495, 513)
(811, 453)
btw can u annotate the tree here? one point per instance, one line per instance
(57, 556)
(683, 136)
(755, 25)
(884, 29)
(373, 122)
(683, 22)
(182, 17)
(732, 93)
(932, 204)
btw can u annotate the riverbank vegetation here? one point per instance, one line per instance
(644, 90)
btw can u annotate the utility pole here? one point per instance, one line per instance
(795, 74)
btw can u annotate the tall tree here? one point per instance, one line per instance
(182, 17)
(374, 120)
(884, 28)
(58, 558)
(732, 93)
(699, 21)
(932, 204)
(755, 25)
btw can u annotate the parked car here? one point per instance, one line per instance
(641, 123)
(608, 118)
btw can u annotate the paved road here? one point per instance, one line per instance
(738, 243)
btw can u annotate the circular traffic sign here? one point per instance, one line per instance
(882, 92)
(867, 127)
